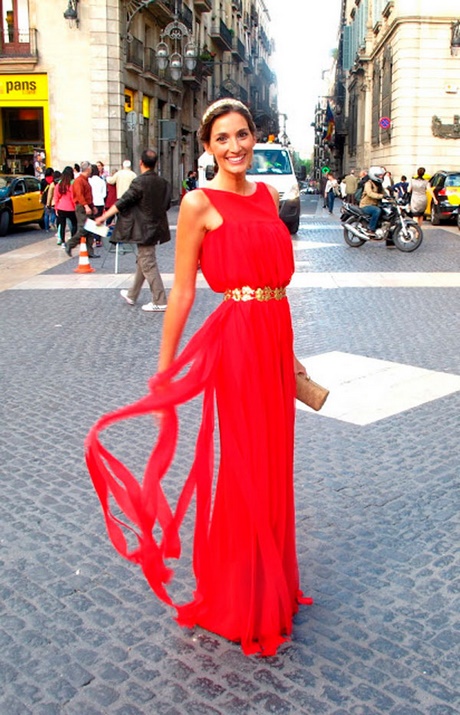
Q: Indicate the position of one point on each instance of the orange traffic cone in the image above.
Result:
(83, 259)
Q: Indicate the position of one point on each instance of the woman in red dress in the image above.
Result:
(244, 555)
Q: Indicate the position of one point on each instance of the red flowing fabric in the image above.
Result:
(244, 554)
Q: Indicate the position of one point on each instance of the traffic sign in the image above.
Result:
(325, 170)
(385, 122)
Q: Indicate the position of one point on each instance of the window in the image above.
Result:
(376, 97)
(15, 24)
(387, 83)
(453, 180)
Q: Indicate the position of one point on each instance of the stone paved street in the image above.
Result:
(377, 503)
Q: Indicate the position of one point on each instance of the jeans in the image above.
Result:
(49, 217)
(330, 201)
(374, 212)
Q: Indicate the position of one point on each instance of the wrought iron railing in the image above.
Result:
(135, 54)
(18, 43)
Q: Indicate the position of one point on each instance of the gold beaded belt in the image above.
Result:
(246, 293)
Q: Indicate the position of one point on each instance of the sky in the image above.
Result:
(304, 38)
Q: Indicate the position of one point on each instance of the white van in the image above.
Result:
(273, 165)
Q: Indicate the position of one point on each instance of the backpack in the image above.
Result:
(360, 189)
(44, 195)
(359, 193)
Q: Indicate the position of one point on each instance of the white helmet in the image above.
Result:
(376, 174)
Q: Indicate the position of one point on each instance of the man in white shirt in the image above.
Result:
(122, 178)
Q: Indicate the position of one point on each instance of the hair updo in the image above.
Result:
(219, 109)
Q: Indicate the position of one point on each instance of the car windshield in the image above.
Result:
(453, 180)
(270, 161)
(5, 183)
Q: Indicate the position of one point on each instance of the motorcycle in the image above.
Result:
(394, 227)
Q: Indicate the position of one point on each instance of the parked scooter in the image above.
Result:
(393, 227)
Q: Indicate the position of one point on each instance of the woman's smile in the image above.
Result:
(232, 143)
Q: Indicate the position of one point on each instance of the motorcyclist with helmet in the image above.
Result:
(372, 195)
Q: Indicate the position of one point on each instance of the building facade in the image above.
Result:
(94, 85)
(395, 88)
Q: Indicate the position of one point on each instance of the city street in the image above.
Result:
(377, 476)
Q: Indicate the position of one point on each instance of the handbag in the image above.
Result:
(309, 392)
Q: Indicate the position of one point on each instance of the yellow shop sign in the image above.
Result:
(30, 87)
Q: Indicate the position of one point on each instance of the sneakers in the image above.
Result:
(124, 294)
(152, 308)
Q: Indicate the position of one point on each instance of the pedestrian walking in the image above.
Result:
(50, 210)
(64, 205)
(122, 178)
(351, 184)
(401, 188)
(142, 219)
(387, 182)
(84, 208)
(418, 188)
(99, 191)
(245, 563)
(331, 190)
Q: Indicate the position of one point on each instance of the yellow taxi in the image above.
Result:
(20, 201)
(446, 188)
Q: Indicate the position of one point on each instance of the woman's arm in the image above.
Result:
(430, 190)
(191, 228)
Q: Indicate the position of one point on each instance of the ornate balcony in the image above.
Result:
(203, 5)
(18, 46)
(150, 64)
(135, 55)
(237, 5)
(248, 66)
(194, 78)
(221, 35)
(243, 94)
(163, 10)
(186, 16)
(238, 50)
(265, 71)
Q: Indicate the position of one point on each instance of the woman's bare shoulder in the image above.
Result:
(196, 209)
(195, 201)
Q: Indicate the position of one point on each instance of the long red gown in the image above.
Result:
(244, 555)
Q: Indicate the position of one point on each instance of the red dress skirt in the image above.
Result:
(244, 553)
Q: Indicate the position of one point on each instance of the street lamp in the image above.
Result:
(455, 38)
(177, 32)
(71, 14)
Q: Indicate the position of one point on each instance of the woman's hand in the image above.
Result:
(298, 367)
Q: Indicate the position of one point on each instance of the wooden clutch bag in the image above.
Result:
(309, 392)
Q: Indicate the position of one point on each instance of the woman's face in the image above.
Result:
(231, 143)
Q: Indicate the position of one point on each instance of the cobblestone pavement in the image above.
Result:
(377, 510)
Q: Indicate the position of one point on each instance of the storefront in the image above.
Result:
(24, 124)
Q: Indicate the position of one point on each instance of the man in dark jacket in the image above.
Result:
(142, 219)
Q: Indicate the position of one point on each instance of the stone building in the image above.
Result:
(103, 79)
(395, 89)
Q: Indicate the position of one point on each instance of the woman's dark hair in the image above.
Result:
(219, 109)
(94, 170)
(420, 172)
(66, 180)
(49, 171)
(56, 175)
